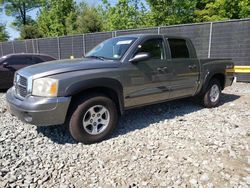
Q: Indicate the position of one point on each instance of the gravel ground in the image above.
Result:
(177, 144)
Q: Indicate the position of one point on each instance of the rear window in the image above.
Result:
(37, 59)
(178, 48)
(47, 58)
(20, 60)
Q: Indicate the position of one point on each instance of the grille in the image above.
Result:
(23, 81)
(21, 85)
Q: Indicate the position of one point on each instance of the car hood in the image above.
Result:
(62, 66)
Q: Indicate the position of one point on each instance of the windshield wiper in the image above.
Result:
(96, 57)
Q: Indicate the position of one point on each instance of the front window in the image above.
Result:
(113, 48)
(154, 47)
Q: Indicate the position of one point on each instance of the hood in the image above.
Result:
(62, 66)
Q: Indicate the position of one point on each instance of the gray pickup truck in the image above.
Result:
(121, 73)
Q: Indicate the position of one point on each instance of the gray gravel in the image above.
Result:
(177, 144)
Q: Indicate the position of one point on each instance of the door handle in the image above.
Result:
(192, 66)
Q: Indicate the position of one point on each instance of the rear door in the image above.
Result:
(185, 67)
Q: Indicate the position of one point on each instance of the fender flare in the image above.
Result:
(208, 76)
(109, 83)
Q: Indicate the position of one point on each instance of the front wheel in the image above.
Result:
(211, 98)
(93, 119)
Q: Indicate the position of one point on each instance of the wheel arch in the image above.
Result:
(112, 88)
(217, 75)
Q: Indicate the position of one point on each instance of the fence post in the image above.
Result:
(1, 48)
(58, 48)
(72, 47)
(13, 47)
(83, 44)
(210, 40)
(159, 30)
(26, 48)
(33, 47)
(114, 34)
(37, 45)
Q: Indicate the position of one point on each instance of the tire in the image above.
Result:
(103, 113)
(211, 98)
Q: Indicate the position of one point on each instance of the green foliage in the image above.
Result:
(172, 11)
(71, 23)
(54, 16)
(65, 17)
(30, 32)
(126, 14)
(244, 9)
(3, 33)
(89, 19)
(19, 10)
(216, 10)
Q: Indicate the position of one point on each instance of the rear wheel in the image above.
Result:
(93, 119)
(211, 98)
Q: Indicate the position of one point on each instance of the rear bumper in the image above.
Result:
(39, 111)
(229, 80)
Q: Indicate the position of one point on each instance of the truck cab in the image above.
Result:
(171, 71)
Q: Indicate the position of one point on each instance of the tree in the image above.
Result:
(244, 9)
(30, 32)
(54, 16)
(170, 12)
(19, 9)
(71, 23)
(126, 14)
(3, 33)
(89, 19)
(215, 10)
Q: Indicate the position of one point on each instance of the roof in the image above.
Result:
(152, 35)
(27, 54)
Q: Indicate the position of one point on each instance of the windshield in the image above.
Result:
(113, 48)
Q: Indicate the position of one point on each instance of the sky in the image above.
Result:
(13, 33)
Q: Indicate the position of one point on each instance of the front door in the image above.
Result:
(149, 81)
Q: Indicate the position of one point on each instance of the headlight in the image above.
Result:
(45, 87)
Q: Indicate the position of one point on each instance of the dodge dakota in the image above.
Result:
(89, 94)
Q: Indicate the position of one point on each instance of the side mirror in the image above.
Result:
(142, 56)
(6, 65)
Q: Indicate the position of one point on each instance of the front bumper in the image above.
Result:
(39, 111)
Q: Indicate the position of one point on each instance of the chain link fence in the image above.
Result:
(229, 39)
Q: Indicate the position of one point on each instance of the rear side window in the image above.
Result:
(20, 60)
(47, 58)
(178, 48)
(37, 60)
